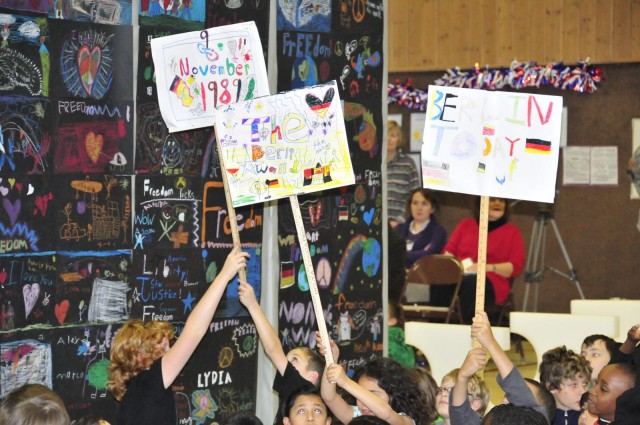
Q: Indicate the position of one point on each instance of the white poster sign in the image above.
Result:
(286, 144)
(200, 70)
(502, 144)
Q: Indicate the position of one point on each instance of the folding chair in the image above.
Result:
(434, 270)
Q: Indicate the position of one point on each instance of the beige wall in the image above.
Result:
(427, 35)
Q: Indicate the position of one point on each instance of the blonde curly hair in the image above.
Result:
(135, 347)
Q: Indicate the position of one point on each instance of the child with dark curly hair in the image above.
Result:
(381, 388)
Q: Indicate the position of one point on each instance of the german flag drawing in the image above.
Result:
(272, 183)
(538, 146)
(286, 274)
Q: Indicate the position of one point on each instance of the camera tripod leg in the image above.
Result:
(572, 276)
(532, 274)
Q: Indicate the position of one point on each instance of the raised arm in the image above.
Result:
(266, 332)
(474, 362)
(377, 406)
(633, 336)
(342, 410)
(335, 351)
(510, 380)
(481, 330)
(200, 318)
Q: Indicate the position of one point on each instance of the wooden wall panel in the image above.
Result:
(553, 31)
(621, 30)
(604, 34)
(587, 29)
(488, 38)
(424, 33)
(427, 35)
(635, 29)
(570, 31)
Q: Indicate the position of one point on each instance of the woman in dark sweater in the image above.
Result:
(423, 234)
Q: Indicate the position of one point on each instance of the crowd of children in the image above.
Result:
(597, 386)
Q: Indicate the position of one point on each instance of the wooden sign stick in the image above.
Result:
(483, 223)
(233, 221)
(311, 277)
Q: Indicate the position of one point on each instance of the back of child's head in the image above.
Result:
(89, 420)
(559, 364)
(405, 395)
(242, 418)
(628, 403)
(509, 414)
(476, 388)
(316, 362)
(395, 312)
(33, 404)
(368, 420)
(428, 386)
(543, 397)
(135, 347)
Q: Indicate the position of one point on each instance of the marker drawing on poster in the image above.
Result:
(286, 144)
(500, 144)
(201, 70)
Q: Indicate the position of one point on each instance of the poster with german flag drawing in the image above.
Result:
(503, 144)
(286, 144)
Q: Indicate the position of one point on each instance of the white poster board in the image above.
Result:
(200, 70)
(501, 144)
(286, 144)
(417, 131)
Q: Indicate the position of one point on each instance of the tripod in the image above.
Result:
(535, 267)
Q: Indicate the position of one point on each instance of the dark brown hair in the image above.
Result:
(428, 194)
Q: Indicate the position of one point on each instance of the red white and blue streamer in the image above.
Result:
(582, 78)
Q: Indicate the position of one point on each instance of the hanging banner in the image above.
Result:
(198, 71)
(286, 144)
(499, 144)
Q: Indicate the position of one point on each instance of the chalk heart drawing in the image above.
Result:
(61, 311)
(368, 216)
(3, 277)
(88, 64)
(42, 203)
(93, 144)
(319, 106)
(12, 209)
(4, 190)
(30, 294)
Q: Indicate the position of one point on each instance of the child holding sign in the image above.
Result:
(381, 388)
(298, 368)
(143, 365)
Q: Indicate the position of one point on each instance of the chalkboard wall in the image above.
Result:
(107, 216)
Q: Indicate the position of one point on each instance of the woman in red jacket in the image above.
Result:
(505, 256)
